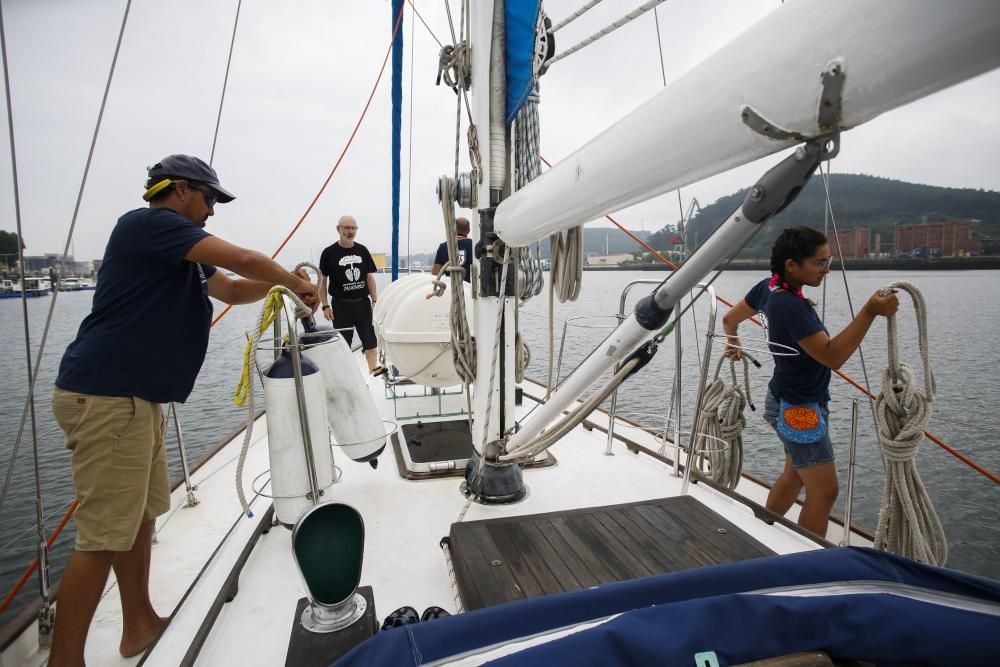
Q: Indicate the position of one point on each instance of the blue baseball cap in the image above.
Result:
(187, 167)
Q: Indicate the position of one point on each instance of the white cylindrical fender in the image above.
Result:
(355, 421)
(285, 448)
(414, 332)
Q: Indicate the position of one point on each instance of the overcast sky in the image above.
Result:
(300, 75)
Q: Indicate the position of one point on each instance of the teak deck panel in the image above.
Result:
(501, 560)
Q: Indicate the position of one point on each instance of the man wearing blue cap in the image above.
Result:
(142, 345)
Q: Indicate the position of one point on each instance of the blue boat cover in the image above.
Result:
(852, 603)
(521, 16)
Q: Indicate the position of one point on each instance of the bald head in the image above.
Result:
(462, 226)
(347, 227)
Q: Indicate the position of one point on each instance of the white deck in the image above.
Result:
(404, 522)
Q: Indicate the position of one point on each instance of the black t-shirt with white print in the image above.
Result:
(346, 270)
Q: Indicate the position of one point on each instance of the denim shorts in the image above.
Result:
(803, 456)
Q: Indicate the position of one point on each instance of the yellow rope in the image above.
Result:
(272, 308)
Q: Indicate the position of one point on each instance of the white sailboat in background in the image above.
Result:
(542, 517)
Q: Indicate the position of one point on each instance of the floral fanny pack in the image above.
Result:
(802, 423)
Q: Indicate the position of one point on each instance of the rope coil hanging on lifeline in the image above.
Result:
(722, 419)
(908, 524)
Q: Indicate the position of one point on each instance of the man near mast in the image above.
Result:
(349, 283)
(142, 345)
(462, 229)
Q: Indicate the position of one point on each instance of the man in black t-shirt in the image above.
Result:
(464, 250)
(349, 282)
(142, 344)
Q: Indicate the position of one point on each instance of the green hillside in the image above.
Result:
(857, 201)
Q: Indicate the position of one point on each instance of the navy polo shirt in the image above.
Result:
(464, 256)
(147, 333)
(797, 379)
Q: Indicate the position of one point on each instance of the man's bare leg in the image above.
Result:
(79, 593)
(141, 624)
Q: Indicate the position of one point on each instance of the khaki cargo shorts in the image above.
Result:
(119, 466)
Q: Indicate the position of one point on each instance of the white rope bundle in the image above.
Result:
(722, 421)
(908, 524)
(566, 248)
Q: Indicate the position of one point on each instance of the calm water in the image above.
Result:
(964, 308)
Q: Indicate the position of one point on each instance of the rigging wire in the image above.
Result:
(76, 210)
(69, 240)
(340, 158)
(34, 564)
(577, 14)
(604, 32)
(828, 213)
(417, 14)
(39, 508)
(225, 82)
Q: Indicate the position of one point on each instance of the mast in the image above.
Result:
(494, 386)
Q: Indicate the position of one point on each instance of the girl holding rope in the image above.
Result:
(798, 393)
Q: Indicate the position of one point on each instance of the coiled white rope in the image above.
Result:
(908, 524)
(722, 420)
(566, 248)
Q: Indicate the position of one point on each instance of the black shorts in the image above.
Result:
(357, 315)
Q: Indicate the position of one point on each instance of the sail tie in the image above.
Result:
(908, 524)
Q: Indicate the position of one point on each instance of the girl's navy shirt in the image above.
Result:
(800, 378)
(147, 333)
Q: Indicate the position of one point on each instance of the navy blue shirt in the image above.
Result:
(797, 379)
(147, 333)
(464, 256)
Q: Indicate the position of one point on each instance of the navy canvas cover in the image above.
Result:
(521, 17)
(863, 604)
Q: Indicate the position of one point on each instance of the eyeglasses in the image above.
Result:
(211, 196)
(821, 263)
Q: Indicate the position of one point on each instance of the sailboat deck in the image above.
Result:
(513, 558)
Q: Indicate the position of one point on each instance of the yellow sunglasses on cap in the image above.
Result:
(159, 187)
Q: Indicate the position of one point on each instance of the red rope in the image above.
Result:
(34, 564)
(350, 140)
(930, 436)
